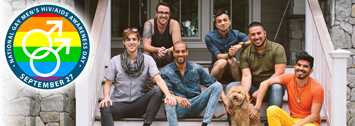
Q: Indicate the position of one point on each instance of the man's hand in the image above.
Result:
(170, 100)
(227, 106)
(161, 51)
(183, 102)
(234, 49)
(253, 114)
(255, 94)
(106, 102)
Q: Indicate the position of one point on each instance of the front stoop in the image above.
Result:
(161, 123)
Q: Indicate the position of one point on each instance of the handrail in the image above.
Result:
(330, 64)
(321, 27)
(88, 88)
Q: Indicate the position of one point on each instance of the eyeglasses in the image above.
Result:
(163, 12)
(130, 29)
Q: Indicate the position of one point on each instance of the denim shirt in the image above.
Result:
(217, 44)
(187, 86)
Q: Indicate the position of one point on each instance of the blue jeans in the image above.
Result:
(207, 100)
(274, 94)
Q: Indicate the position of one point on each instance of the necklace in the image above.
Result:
(299, 91)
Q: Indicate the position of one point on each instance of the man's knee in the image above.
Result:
(216, 87)
(272, 110)
(231, 84)
(276, 95)
(277, 88)
(221, 63)
(310, 124)
(105, 110)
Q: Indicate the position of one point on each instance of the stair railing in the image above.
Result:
(88, 87)
(329, 64)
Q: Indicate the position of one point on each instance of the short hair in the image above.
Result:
(179, 42)
(128, 31)
(162, 4)
(303, 55)
(255, 23)
(220, 12)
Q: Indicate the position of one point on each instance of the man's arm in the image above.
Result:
(106, 102)
(169, 98)
(279, 70)
(280, 61)
(147, 38)
(315, 113)
(107, 88)
(222, 56)
(262, 90)
(175, 32)
(246, 79)
(213, 49)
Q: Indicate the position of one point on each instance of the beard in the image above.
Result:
(163, 18)
(302, 75)
(180, 60)
(262, 43)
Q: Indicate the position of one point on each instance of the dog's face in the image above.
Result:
(238, 96)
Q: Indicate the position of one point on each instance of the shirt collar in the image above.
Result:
(220, 37)
(268, 47)
(188, 66)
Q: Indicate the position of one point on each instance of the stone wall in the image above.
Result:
(342, 31)
(25, 106)
(350, 30)
(296, 35)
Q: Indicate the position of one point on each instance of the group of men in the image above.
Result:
(248, 60)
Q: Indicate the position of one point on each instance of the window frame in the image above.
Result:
(205, 20)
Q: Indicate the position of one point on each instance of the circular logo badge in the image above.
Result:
(47, 46)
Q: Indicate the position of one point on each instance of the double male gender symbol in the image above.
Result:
(58, 24)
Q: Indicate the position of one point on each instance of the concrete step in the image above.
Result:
(161, 123)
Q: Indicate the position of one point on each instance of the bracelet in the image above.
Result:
(243, 44)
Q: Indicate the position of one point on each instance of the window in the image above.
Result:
(238, 11)
(187, 13)
(127, 13)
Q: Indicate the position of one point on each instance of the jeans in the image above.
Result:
(274, 94)
(207, 101)
(148, 104)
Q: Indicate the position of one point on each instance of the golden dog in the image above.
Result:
(241, 107)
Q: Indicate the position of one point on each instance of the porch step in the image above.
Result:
(161, 119)
(162, 123)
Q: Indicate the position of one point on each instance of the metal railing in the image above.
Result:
(329, 64)
(88, 87)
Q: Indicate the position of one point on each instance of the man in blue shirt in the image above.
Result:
(183, 79)
(223, 44)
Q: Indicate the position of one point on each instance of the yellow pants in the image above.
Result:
(278, 117)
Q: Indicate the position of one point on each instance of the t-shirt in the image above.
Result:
(126, 88)
(262, 66)
(164, 39)
(311, 93)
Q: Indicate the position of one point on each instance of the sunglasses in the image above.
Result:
(130, 30)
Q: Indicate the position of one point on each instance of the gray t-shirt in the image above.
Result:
(126, 88)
